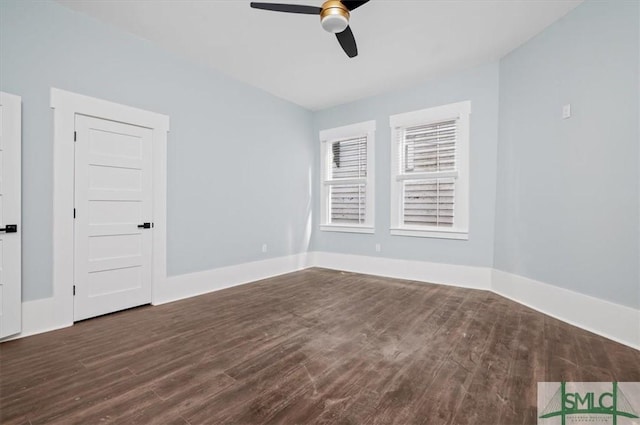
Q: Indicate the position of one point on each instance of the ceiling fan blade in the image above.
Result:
(348, 42)
(353, 4)
(289, 8)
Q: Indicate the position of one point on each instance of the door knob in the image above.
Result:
(9, 228)
(145, 226)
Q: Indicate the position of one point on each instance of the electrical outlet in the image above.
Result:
(566, 111)
(377, 247)
(264, 247)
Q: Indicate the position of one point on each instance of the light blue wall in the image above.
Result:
(480, 85)
(238, 158)
(566, 211)
(567, 200)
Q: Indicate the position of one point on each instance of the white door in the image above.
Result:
(113, 223)
(10, 225)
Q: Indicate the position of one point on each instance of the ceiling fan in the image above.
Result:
(334, 18)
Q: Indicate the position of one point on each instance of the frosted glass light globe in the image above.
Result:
(334, 23)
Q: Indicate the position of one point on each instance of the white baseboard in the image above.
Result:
(614, 321)
(444, 274)
(39, 316)
(198, 283)
(43, 315)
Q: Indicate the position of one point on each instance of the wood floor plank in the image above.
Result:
(522, 408)
(312, 347)
(118, 407)
(485, 397)
(426, 374)
(68, 387)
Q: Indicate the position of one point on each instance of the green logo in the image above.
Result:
(614, 404)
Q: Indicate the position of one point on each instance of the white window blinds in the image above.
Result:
(429, 148)
(428, 173)
(347, 178)
(349, 158)
(429, 202)
(347, 194)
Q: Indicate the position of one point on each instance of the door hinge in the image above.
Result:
(75, 136)
(74, 289)
(74, 213)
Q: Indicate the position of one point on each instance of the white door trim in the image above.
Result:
(10, 178)
(66, 105)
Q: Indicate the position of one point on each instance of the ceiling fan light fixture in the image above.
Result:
(334, 16)
(334, 23)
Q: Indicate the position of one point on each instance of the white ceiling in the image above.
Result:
(400, 42)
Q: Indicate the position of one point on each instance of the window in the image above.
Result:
(430, 172)
(347, 178)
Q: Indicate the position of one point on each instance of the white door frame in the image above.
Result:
(11, 322)
(66, 105)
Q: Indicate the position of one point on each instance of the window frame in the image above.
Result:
(461, 112)
(327, 138)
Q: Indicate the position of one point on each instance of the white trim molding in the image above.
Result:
(365, 129)
(346, 229)
(347, 130)
(65, 106)
(614, 321)
(11, 213)
(460, 113)
(198, 283)
(610, 320)
(43, 315)
(420, 233)
(422, 271)
(39, 316)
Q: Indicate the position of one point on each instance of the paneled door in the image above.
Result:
(10, 225)
(113, 228)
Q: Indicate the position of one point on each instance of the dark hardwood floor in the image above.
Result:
(312, 347)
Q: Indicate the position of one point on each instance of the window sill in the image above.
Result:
(347, 229)
(440, 234)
